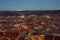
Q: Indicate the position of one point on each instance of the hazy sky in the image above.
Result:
(29, 4)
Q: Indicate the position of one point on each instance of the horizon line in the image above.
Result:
(30, 10)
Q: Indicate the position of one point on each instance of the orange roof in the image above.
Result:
(25, 27)
(10, 34)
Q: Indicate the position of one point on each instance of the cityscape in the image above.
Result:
(29, 19)
(45, 26)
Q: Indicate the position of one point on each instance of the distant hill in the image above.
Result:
(37, 12)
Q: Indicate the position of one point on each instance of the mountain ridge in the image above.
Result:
(27, 12)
